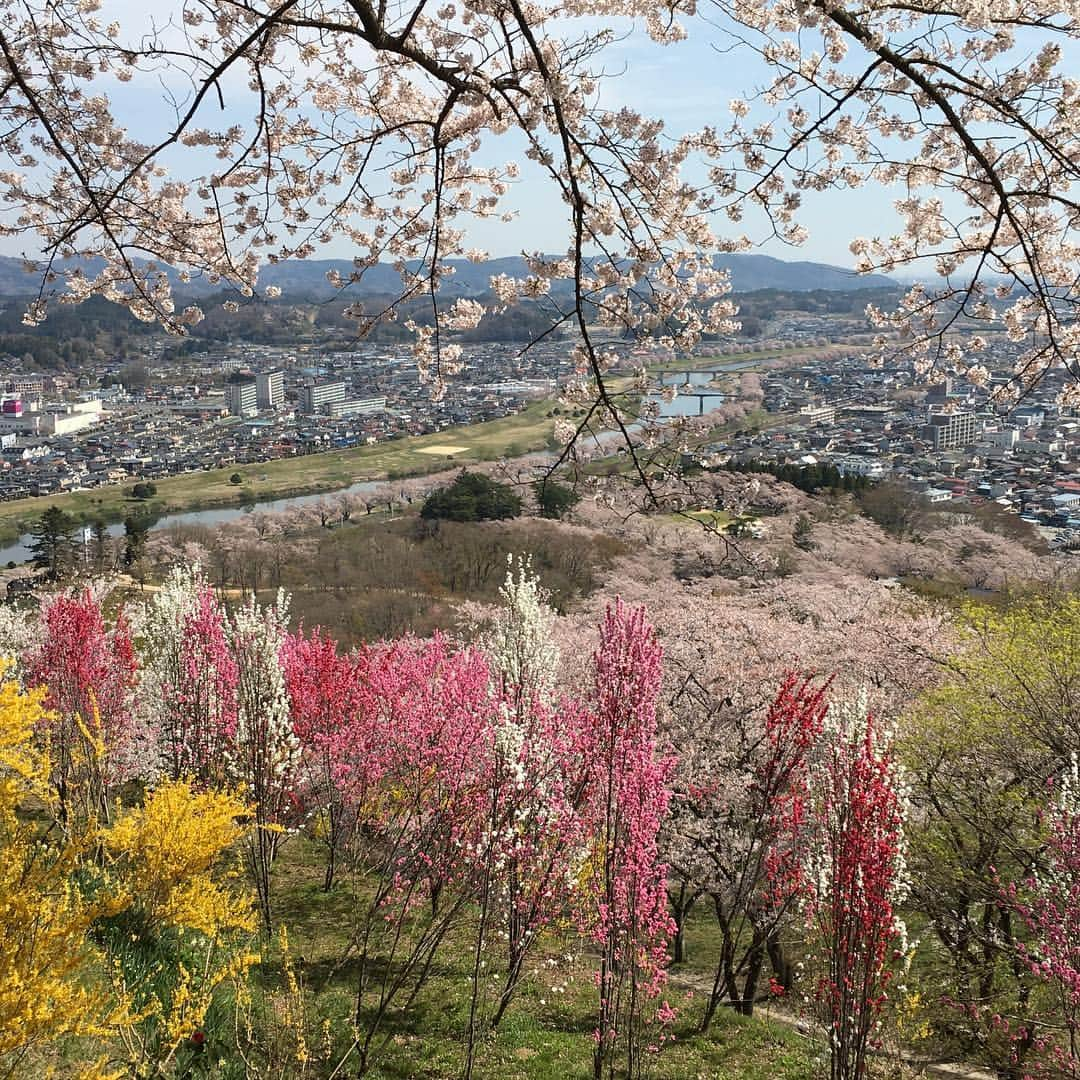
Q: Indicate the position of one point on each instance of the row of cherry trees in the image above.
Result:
(467, 787)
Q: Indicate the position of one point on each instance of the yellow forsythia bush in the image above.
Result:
(122, 934)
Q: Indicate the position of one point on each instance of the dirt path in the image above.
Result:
(941, 1070)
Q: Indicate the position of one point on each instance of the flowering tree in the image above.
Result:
(738, 743)
(123, 934)
(265, 752)
(188, 677)
(379, 119)
(540, 775)
(325, 694)
(1048, 903)
(519, 639)
(416, 762)
(848, 838)
(88, 671)
(625, 909)
(744, 859)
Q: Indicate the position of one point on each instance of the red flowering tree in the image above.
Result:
(89, 673)
(848, 830)
(746, 856)
(326, 693)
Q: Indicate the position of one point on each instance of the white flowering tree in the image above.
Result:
(187, 678)
(520, 638)
(298, 123)
(265, 750)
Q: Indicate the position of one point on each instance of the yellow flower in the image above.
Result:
(170, 850)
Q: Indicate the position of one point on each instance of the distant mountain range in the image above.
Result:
(307, 278)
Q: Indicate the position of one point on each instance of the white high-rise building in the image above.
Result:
(318, 397)
(948, 431)
(270, 388)
(242, 397)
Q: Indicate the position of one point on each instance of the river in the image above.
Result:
(19, 552)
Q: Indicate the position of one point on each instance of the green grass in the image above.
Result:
(704, 363)
(545, 1036)
(716, 519)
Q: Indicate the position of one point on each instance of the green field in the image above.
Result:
(523, 433)
(705, 363)
(716, 519)
(545, 1036)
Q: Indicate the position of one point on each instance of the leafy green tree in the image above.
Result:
(144, 490)
(236, 478)
(53, 543)
(981, 750)
(472, 497)
(135, 531)
(555, 500)
(900, 511)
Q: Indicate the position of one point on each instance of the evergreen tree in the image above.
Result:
(803, 533)
(52, 546)
(472, 497)
(135, 530)
(99, 540)
(554, 499)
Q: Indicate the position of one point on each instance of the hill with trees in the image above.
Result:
(727, 739)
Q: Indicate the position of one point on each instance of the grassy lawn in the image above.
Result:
(545, 1036)
(523, 433)
(717, 519)
(704, 363)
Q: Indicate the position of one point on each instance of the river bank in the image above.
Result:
(316, 474)
(287, 478)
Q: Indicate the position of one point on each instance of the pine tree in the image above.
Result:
(53, 541)
(135, 531)
(99, 539)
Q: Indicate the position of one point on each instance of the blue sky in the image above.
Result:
(688, 85)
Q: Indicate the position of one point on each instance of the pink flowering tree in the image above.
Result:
(847, 868)
(326, 693)
(414, 760)
(1047, 1046)
(88, 671)
(624, 906)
